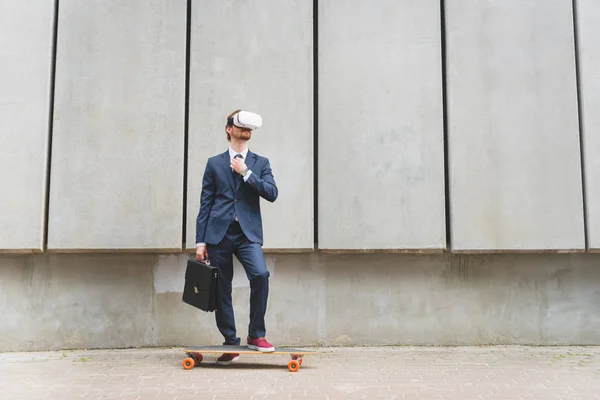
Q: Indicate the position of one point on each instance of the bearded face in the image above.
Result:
(239, 133)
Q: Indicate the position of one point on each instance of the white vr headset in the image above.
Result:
(246, 119)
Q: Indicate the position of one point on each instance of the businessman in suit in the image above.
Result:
(229, 223)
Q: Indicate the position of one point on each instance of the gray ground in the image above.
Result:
(512, 372)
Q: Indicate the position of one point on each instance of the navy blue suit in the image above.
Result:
(229, 222)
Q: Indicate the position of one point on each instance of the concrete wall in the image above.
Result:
(513, 133)
(588, 13)
(76, 301)
(118, 161)
(381, 154)
(66, 301)
(265, 66)
(25, 78)
(118, 141)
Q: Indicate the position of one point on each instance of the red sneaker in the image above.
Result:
(228, 358)
(260, 344)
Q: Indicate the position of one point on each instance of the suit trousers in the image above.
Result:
(251, 257)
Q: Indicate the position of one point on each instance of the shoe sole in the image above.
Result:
(228, 362)
(263, 349)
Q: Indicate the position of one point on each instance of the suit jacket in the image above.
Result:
(220, 201)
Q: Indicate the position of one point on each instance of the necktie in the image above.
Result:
(236, 176)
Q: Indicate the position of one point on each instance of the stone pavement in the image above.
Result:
(499, 372)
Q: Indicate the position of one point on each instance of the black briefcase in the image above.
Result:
(200, 288)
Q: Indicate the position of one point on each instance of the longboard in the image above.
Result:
(195, 354)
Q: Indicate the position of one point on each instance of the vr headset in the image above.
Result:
(246, 119)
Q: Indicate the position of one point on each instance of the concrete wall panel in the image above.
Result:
(118, 145)
(381, 157)
(256, 55)
(25, 80)
(515, 173)
(589, 74)
(462, 300)
(76, 301)
(66, 301)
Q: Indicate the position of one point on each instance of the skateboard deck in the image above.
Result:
(195, 354)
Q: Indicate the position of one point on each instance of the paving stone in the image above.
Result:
(445, 373)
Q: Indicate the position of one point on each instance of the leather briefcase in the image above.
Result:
(200, 288)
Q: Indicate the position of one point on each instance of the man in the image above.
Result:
(229, 222)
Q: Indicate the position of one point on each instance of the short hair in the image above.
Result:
(230, 116)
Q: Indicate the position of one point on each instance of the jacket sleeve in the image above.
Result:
(263, 182)
(207, 199)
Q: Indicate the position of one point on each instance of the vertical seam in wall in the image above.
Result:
(186, 120)
(580, 122)
(445, 125)
(316, 122)
(322, 310)
(50, 128)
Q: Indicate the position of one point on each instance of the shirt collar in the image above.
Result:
(233, 153)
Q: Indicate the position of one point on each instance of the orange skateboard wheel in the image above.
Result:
(188, 363)
(293, 366)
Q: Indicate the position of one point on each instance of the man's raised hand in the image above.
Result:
(238, 165)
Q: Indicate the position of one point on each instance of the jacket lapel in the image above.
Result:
(250, 158)
(226, 164)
